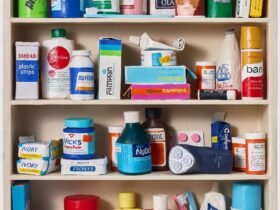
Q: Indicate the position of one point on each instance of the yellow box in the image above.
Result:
(256, 8)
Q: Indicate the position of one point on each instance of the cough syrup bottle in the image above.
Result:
(133, 147)
(158, 137)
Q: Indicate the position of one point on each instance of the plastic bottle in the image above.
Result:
(81, 76)
(133, 147)
(55, 65)
(158, 136)
(228, 65)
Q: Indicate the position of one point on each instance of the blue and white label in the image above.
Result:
(165, 4)
(134, 159)
(82, 81)
(82, 168)
(27, 71)
(56, 5)
(156, 59)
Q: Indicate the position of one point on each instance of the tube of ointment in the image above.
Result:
(207, 94)
(147, 43)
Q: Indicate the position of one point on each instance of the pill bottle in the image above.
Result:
(239, 154)
(81, 75)
(255, 153)
(206, 75)
(133, 7)
(114, 134)
(79, 139)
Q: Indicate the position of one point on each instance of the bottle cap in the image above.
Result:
(205, 63)
(238, 140)
(85, 202)
(153, 113)
(160, 202)
(134, 40)
(132, 117)
(127, 200)
(58, 32)
(254, 136)
(115, 129)
(81, 53)
(78, 122)
(251, 37)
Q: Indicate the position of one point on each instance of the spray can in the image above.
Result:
(32, 9)
(252, 75)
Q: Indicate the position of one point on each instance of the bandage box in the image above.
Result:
(21, 196)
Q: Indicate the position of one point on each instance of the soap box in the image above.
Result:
(21, 196)
(155, 75)
(96, 166)
(27, 70)
(109, 74)
(160, 92)
(220, 136)
(242, 8)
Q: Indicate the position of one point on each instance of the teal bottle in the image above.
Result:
(133, 147)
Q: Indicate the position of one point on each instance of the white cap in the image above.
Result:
(254, 135)
(134, 40)
(132, 117)
(160, 202)
(238, 140)
(231, 95)
(118, 129)
(205, 63)
(81, 53)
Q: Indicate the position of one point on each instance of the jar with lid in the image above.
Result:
(81, 76)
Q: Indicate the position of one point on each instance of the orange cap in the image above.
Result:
(251, 37)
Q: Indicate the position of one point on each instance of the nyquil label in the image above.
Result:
(165, 4)
(134, 159)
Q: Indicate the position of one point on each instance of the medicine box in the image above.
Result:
(21, 196)
(220, 136)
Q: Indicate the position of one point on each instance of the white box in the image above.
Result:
(242, 8)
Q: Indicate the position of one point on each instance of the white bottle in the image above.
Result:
(228, 65)
(55, 65)
(81, 75)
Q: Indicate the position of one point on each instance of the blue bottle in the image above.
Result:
(133, 147)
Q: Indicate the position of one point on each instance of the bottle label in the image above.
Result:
(134, 158)
(223, 76)
(239, 157)
(82, 81)
(157, 138)
(252, 80)
(56, 5)
(208, 78)
(114, 152)
(79, 144)
(127, 4)
(165, 4)
(256, 157)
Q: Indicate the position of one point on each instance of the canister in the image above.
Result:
(67, 9)
(158, 58)
(133, 7)
(32, 9)
(219, 8)
(206, 75)
(79, 139)
(81, 202)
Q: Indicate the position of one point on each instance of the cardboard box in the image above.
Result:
(21, 196)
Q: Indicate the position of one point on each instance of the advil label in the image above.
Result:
(252, 74)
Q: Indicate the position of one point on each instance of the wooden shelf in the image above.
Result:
(140, 102)
(155, 176)
(137, 20)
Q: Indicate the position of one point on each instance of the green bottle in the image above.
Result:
(133, 147)
(219, 8)
(33, 9)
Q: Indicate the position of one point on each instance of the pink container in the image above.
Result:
(133, 7)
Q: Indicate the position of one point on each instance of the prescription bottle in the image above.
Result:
(206, 75)
(239, 154)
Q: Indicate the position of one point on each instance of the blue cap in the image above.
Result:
(247, 196)
(78, 122)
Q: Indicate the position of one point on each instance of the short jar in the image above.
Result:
(133, 7)
(79, 139)
(81, 76)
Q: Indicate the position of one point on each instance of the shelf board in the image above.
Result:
(137, 20)
(155, 176)
(139, 102)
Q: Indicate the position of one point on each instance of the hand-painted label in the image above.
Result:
(165, 4)
(82, 81)
(134, 159)
(79, 144)
(223, 76)
(157, 138)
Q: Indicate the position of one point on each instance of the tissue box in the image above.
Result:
(221, 138)
(21, 196)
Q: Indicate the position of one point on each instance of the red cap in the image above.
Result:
(81, 202)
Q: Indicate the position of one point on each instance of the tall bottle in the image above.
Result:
(55, 65)
(228, 65)
(157, 133)
(133, 147)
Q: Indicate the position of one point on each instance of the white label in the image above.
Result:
(252, 70)
(114, 151)
(256, 157)
(224, 76)
(208, 79)
(239, 157)
(78, 144)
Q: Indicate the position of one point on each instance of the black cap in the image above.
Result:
(153, 113)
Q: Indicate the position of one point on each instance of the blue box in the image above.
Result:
(220, 136)
(21, 196)
(155, 75)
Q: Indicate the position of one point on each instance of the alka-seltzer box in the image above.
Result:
(242, 8)
(27, 70)
(220, 133)
(21, 196)
(110, 69)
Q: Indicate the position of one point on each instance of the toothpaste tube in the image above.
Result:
(161, 92)
(207, 94)
(96, 166)
(40, 150)
(37, 166)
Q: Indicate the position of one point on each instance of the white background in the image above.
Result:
(1, 102)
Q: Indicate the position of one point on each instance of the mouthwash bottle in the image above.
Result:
(133, 147)
(157, 133)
